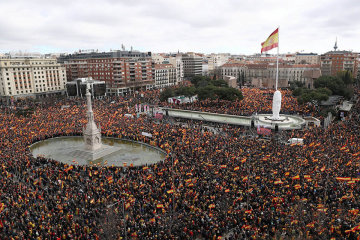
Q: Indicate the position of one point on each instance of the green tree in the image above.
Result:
(346, 77)
(219, 83)
(185, 91)
(166, 93)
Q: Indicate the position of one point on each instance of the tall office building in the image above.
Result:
(192, 65)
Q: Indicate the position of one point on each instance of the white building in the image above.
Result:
(216, 60)
(264, 74)
(178, 64)
(165, 75)
(31, 77)
(160, 58)
(236, 70)
(205, 68)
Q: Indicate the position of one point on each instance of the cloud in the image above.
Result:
(236, 26)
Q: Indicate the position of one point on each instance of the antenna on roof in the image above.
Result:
(335, 46)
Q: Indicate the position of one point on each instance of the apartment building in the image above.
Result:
(335, 61)
(178, 64)
(122, 71)
(165, 75)
(31, 77)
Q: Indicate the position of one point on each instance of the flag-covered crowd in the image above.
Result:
(255, 101)
(210, 186)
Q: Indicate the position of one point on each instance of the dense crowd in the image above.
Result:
(210, 186)
(255, 101)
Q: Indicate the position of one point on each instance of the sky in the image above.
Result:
(205, 26)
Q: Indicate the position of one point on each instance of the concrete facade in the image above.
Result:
(31, 77)
(192, 65)
(264, 74)
(231, 81)
(178, 64)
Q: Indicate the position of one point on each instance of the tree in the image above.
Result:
(185, 91)
(346, 77)
(242, 78)
(219, 83)
(168, 92)
(335, 84)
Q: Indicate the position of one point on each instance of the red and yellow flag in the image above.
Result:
(69, 168)
(271, 42)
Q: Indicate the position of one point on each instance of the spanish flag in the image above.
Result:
(271, 42)
(69, 168)
(127, 205)
(110, 179)
(297, 177)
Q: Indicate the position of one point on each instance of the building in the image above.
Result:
(31, 77)
(160, 58)
(335, 61)
(192, 65)
(122, 71)
(235, 69)
(205, 68)
(178, 63)
(216, 60)
(165, 75)
(231, 81)
(78, 86)
(310, 76)
(307, 58)
(264, 74)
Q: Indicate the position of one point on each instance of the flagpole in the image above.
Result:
(277, 63)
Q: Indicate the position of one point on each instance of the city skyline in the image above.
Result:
(168, 26)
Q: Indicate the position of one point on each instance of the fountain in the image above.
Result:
(92, 149)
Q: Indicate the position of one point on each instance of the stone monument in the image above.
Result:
(92, 134)
(276, 106)
(94, 149)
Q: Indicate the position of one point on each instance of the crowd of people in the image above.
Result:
(210, 186)
(255, 101)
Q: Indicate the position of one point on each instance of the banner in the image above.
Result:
(146, 134)
(263, 131)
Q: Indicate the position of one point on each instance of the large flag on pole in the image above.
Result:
(271, 42)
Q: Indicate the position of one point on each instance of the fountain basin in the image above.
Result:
(115, 152)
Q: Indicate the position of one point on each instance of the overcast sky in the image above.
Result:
(234, 26)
